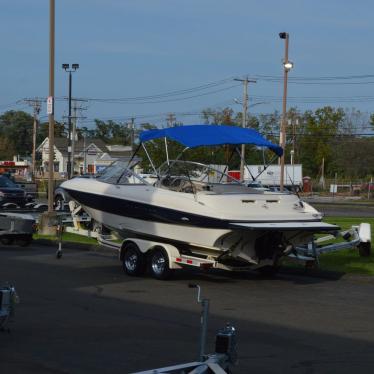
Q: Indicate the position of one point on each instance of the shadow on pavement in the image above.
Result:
(81, 314)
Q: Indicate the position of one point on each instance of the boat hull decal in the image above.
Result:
(143, 211)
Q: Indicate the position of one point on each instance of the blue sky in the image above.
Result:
(133, 48)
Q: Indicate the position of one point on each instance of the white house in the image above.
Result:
(90, 155)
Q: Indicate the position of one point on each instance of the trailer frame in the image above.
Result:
(162, 259)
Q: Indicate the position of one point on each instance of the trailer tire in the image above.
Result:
(133, 261)
(268, 270)
(6, 240)
(364, 249)
(59, 203)
(24, 241)
(159, 264)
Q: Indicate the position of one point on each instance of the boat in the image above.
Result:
(199, 208)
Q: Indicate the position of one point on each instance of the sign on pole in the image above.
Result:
(333, 188)
(50, 105)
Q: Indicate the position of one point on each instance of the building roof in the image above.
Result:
(113, 150)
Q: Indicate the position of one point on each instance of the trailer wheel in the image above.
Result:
(133, 260)
(159, 264)
(364, 249)
(24, 241)
(6, 240)
(59, 203)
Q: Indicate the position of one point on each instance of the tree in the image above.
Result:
(372, 120)
(320, 129)
(43, 131)
(16, 132)
(112, 132)
(219, 117)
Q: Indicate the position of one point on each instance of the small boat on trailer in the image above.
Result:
(190, 213)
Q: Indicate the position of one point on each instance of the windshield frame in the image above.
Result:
(121, 169)
(171, 163)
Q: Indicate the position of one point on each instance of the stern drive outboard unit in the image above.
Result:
(8, 299)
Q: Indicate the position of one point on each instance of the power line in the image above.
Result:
(15, 103)
(156, 101)
(321, 78)
(167, 94)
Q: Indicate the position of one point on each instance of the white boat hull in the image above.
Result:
(194, 236)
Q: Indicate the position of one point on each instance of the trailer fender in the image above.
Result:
(146, 246)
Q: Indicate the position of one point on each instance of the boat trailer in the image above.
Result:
(357, 237)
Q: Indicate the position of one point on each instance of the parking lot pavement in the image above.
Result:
(81, 314)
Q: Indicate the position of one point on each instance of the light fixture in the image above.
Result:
(65, 66)
(288, 65)
(75, 66)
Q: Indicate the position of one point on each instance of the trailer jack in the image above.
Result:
(218, 362)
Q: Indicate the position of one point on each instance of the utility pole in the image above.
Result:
(293, 122)
(48, 219)
(69, 127)
(51, 118)
(73, 132)
(170, 120)
(132, 132)
(73, 135)
(36, 104)
(244, 120)
(84, 153)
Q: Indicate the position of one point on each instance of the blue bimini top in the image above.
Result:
(209, 135)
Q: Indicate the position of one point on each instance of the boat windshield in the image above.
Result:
(197, 171)
(191, 177)
(120, 173)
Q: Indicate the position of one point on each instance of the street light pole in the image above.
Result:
(74, 68)
(69, 126)
(287, 65)
(244, 120)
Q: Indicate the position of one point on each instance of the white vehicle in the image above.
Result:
(182, 217)
(269, 175)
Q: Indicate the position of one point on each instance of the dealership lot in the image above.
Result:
(82, 314)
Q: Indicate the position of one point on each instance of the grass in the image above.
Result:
(68, 237)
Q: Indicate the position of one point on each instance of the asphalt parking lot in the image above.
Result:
(81, 314)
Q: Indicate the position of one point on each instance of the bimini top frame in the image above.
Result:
(192, 136)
